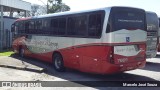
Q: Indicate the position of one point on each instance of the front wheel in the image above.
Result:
(58, 62)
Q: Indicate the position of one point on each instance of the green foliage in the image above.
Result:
(7, 53)
(57, 6)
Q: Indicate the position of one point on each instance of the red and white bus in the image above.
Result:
(103, 41)
(152, 34)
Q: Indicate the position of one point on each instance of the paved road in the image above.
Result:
(151, 72)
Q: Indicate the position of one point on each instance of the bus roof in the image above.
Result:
(151, 12)
(20, 19)
(62, 13)
(70, 12)
(67, 13)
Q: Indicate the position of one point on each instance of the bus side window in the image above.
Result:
(27, 27)
(38, 26)
(95, 25)
(54, 26)
(58, 26)
(46, 26)
(62, 26)
(81, 25)
(21, 28)
(71, 26)
(31, 27)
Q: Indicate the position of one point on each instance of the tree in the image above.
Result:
(54, 6)
(38, 10)
(34, 9)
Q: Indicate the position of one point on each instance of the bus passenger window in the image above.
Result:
(38, 26)
(81, 25)
(71, 26)
(21, 29)
(54, 26)
(62, 26)
(77, 26)
(31, 27)
(46, 26)
(27, 27)
(95, 25)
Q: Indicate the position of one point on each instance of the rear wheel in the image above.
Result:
(58, 62)
(21, 52)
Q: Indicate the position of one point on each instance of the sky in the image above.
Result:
(148, 5)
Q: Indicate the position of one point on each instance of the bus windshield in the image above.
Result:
(152, 21)
(128, 19)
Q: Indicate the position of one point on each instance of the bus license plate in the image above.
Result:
(129, 50)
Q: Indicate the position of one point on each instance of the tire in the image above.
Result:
(58, 62)
(21, 52)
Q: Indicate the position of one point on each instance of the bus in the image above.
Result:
(101, 41)
(152, 34)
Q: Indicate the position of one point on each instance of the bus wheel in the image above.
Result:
(58, 62)
(21, 52)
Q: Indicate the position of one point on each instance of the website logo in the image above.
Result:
(6, 84)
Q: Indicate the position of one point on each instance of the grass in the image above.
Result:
(6, 53)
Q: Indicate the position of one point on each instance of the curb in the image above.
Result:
(38, 70)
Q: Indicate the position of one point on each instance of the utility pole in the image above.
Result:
(47, 7)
